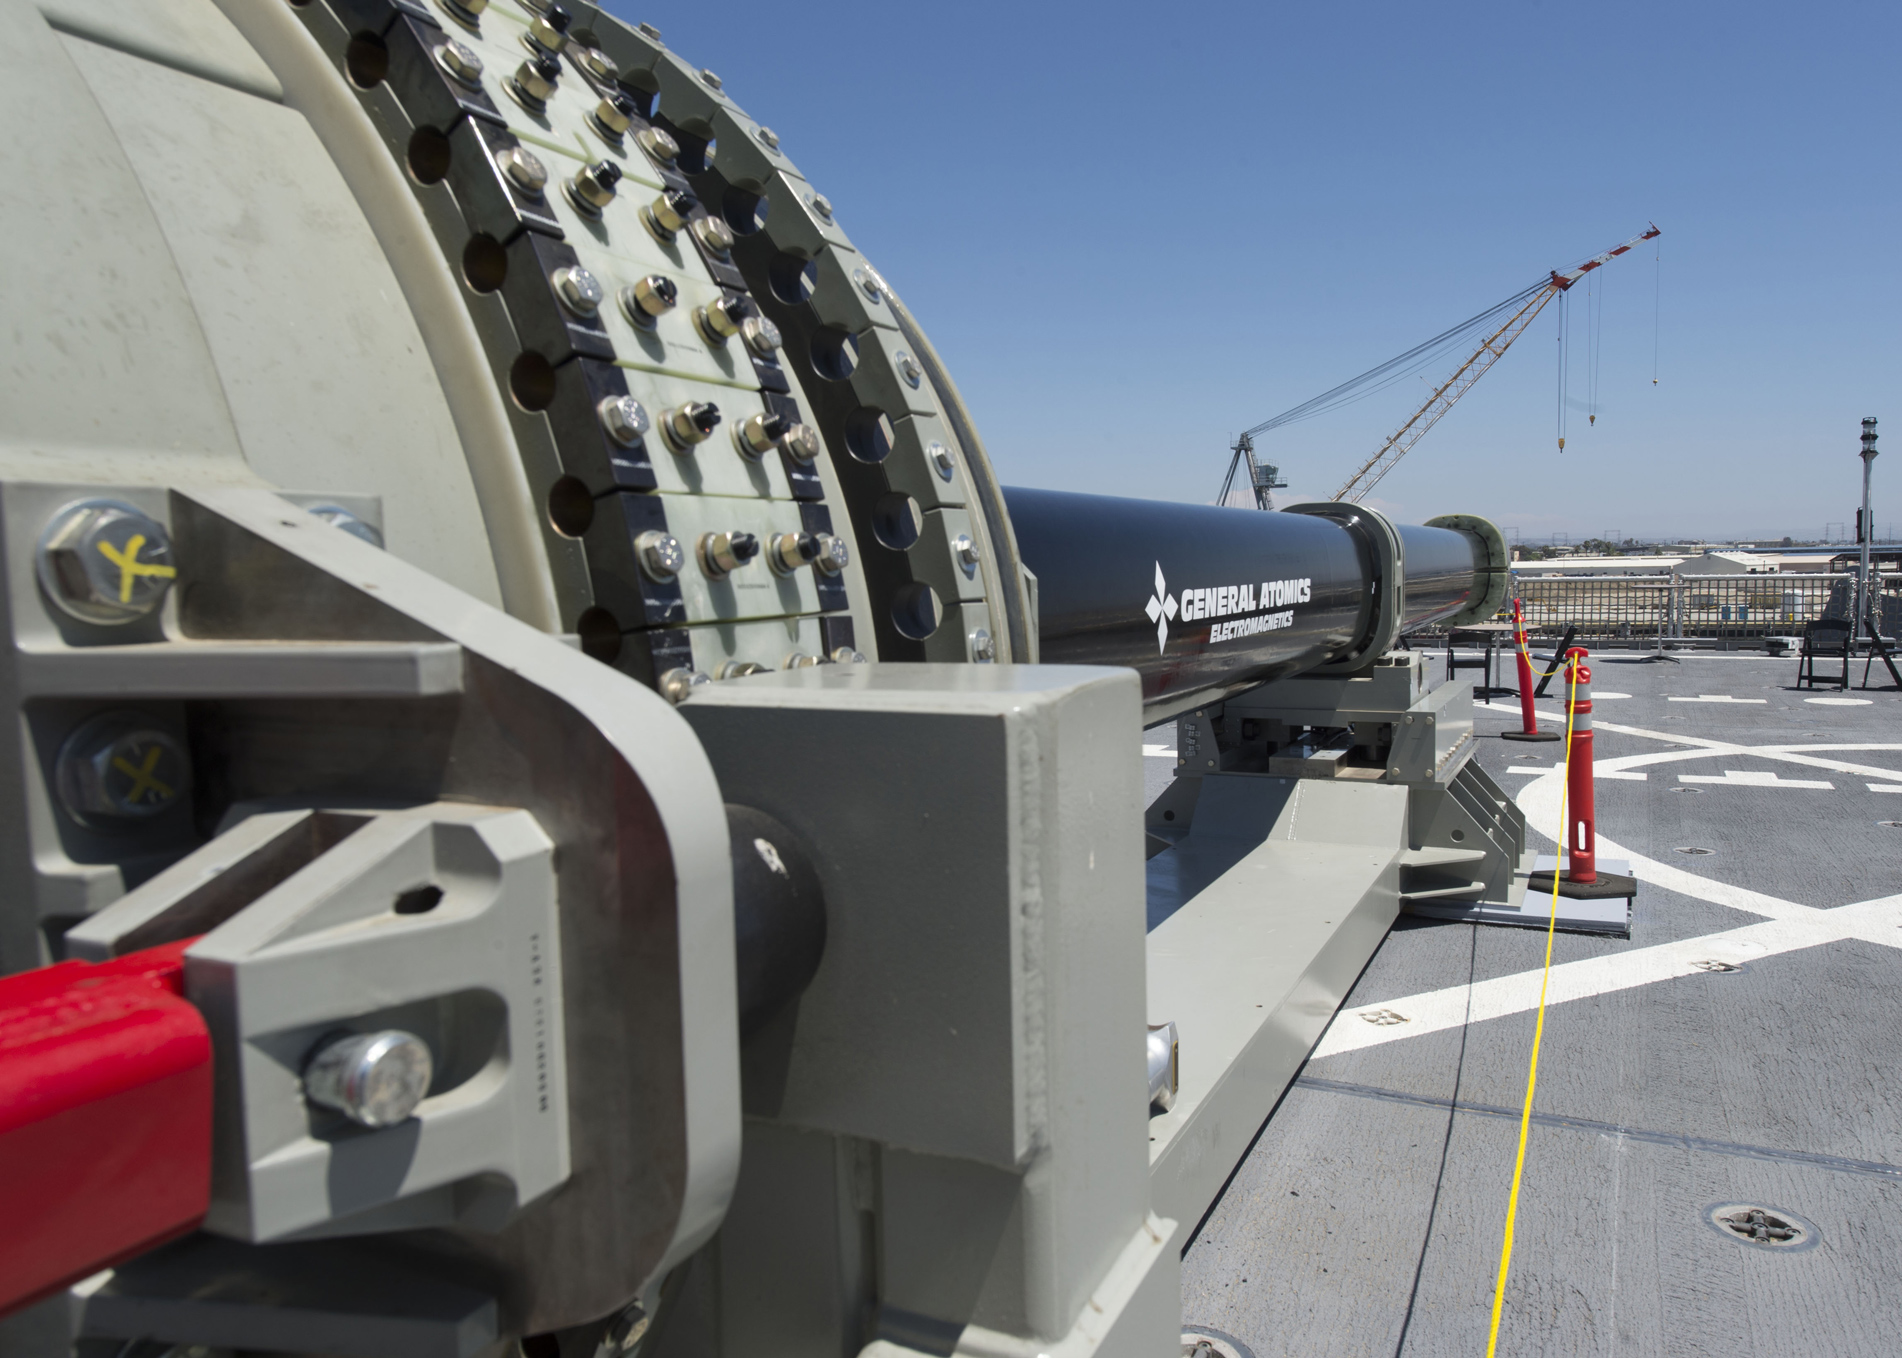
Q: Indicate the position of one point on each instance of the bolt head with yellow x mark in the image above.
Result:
(105, 561)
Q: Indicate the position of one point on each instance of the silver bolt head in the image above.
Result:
(681, 424)
(713, 81)
(869, 283)
(713, 234)
(768, 138)
(677, 685)
(374, 1079)
(534, 89)
(983, 646)
(834, 556)
(339, 517)
(761, 336)
(608, 114)
(625, 419)
(738, 669)
(799, 660)
(590, 192)
(119, 767)
(940, 458)
(821, 205)
(908, 367)
(723, 553)
(580, 291)
(661, 554)
(845, 655)
(652, 296)
(649, 31)
(802, 443)
(545, 35)
(105, 561)
(791, 551)
(523, 168)
(661, 216)
(754, 436)
(658, 144)
(599, 64)
(965, 550)
(463, 65)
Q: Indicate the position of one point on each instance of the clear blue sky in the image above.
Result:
(1132, 231)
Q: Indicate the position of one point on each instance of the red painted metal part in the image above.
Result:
(105, 1117)
(1581, 812)
(1529, 719)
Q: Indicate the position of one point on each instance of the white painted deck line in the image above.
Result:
(1716, 698)
(1885, 787)
(1754, 778)
(1159, 752)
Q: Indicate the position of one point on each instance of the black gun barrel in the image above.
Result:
(1202, 600)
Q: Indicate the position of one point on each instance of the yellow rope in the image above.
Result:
(1538, 1032)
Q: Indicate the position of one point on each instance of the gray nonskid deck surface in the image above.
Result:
(1657, 1099)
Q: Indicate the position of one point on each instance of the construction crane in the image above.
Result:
(1500, 324)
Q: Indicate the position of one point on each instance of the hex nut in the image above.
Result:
(661, 555)
(669, 214)
(738, 669)
(120, 767)
(821, 205)
(613, 116)
(792, 551)
(869, 283)
(649, 297)
(723, 553)
(105, 561)
(940, 459)
(908, 367)
(465, 11)
(461, 62)
(534, 83)
(625, 419)
(834, 556)
(579, 290)
(677, 685)
(593, 187)
(548, 31)
(712, 80)
(983, 646)
(374, 1079)
(761, 336)
(965, 550)
(802, 443)
(845, 655)
(720, 320)
(339, 517)
(714, 235)
(599, 65)
(658, 144)
(757, 435)
(683, 426)
(523, 168)
(768, 138)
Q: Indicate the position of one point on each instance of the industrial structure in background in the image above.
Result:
(554, 806)
(1499, 325)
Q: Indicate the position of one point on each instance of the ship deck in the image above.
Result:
(1740, 1048)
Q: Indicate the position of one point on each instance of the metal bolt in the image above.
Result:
(714, 235)
(339, 517)
(761, 335)
(965, 550)
(119, 766)
(940, 458)
(799, 660)
(845, 655)
(625, 419)
(869, 283)
(719, 320)
(834, 556)
(791, 551)
(650, 31)
(738, 669)
(685, 425)
(821, 205)
(768, 138)
(599, 65)
(592, 188)
(374, 1079)
(711, 79)
(534, 82)
(579, 290)
(658, 144)
(661, 554)
(757, 435)
(667, 214)
(612, 117)
(105, 561)
(908, 367)
(983, 646)
(548, 31)
(523, 168)
(677, 685)
(723, 553)
(628, 1329)
(648, 298)
(462, 64)
(535, 6)
(468, 11)
(802, 443)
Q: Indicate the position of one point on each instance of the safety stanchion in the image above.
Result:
(1581, 814)
(1528, 717)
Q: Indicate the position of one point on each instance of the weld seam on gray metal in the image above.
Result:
(1838, 1163)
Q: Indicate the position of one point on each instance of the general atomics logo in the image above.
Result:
(1246, 607)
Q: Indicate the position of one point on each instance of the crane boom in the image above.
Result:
(1490, 351)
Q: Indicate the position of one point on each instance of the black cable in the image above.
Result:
(1433, 1209)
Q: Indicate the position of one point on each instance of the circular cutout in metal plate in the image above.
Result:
(1199, 1341)
(1764, 1228)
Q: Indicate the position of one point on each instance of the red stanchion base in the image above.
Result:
(1531, 735)
(1608, 886)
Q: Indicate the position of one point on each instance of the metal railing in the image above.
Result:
(1639, 609)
